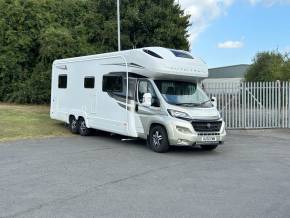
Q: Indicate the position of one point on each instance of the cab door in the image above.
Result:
(144, 114)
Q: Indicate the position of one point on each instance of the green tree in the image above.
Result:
(269, 66)
(33, 33)
(286, 69)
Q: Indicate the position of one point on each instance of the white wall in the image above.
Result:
(222, 80)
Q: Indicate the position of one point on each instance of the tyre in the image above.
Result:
(208, 147)
(73, 125)
(158, 139)
(83, 129)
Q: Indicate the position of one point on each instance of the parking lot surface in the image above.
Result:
(103, 176)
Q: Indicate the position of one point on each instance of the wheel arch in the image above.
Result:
(71, 116)
(76, 116)
(156, 124)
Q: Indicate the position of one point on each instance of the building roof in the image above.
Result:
(235, 71)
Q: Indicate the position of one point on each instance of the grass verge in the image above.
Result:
(28, 121)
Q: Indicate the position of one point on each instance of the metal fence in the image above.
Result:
(252, 104)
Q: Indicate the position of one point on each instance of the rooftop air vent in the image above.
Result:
(152, 53)
(181, 54)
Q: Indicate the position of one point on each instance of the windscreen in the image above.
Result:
(183, 93)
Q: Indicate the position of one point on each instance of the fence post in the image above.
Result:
(244, 104)
(279, 103)
(288, 84)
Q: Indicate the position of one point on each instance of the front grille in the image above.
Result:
(208, 133)
(207, 126)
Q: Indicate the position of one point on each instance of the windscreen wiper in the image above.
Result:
(205, 102)
(187, 104)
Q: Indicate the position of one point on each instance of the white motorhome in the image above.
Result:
(151, 93)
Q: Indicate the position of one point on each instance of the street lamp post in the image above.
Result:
(118, 21)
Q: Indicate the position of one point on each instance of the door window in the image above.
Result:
(146, 87)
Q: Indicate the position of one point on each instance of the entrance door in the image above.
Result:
(113, 114)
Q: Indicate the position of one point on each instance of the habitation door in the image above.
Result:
(112, 109)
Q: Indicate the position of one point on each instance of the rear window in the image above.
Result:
(62, 81)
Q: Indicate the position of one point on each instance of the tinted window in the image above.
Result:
(89, 82)
(62, 81)
(131, 90)
(112, 84)
(181, 54)
(152, 53)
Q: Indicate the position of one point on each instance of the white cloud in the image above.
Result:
(268, 3)
(231, 44)
(203, 12)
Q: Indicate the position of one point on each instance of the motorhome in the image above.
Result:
(151, 93)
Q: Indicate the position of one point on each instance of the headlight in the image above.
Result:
(179, 114)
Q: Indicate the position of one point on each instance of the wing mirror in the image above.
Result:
(213, 101)
(147, 100)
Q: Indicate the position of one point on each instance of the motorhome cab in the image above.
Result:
(151, 93)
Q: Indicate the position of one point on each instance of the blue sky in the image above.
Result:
(228, 32)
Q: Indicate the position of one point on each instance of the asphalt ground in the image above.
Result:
(103, 176)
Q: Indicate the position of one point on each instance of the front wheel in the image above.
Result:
(158, 139)
(84, 130)
(208, 147)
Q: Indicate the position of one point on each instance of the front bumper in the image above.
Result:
(189, 136)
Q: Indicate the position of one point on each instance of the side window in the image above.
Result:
(131, 90)
(112, 84)
(142, 89)
(62, 81)
(89, 82)
(146, 87)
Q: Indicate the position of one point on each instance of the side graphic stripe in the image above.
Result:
(121, 101)
(133, 65)
(129, 108)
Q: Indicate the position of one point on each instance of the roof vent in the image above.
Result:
(152, 53)
(181, 54)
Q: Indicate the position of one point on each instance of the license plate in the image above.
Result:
(208, 139)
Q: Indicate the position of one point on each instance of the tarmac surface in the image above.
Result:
(103, 176)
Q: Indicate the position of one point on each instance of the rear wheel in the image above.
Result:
(84, 130)
(208, 147)
(158, 139)
(73, 125)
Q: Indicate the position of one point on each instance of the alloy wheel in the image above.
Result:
(157, 138)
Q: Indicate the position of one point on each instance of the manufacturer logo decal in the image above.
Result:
(62, 67)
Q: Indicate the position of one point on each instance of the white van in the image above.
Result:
(151, 93)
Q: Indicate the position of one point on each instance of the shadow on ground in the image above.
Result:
(137, 142)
